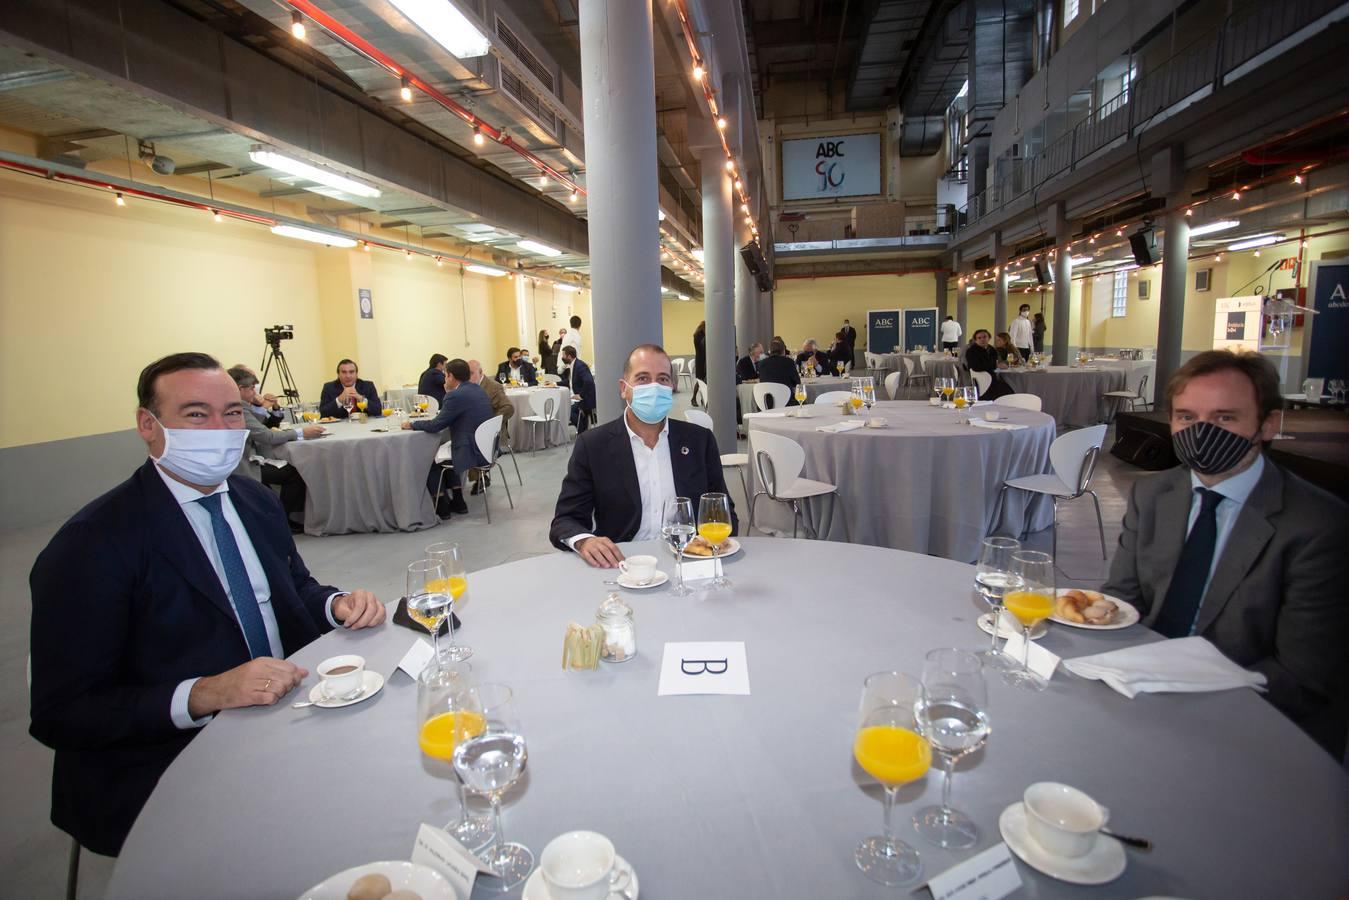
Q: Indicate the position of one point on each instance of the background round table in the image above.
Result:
(925, 483)
(360, 479)
(742, 796)
(1073, 396)
(523, 433)
(401, 397)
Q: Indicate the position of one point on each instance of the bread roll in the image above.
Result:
(370, 887)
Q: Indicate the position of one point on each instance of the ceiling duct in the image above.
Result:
(934, 79)
(889, 36)
(921, 135)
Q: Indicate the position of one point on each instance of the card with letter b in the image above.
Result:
(704, 667)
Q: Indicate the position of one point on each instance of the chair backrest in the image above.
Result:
(780, 393)
(543, 403)
(1073, 456)
(779, 460)
(908, 364)
(1135, 380)
(892, 384)
(983, 381)
(701, 387)
(698, 417)
(1021, 401)
(678, 362)
(873, 361)
(1142, 389)
(829, 397)
(486, 436)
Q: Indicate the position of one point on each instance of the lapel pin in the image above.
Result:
(684, 450)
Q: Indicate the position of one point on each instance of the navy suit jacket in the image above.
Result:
(600, 494)
(432, 384)
(125, 606)
(463, 410)
(526, 372)
(328, 405)
(582, 383)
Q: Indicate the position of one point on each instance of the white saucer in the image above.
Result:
(537, 889)
(1010, 626)
(424, 880)
(1104, 863)
(371, 684)
(729, 547)
(625, 582)
(1127, 615)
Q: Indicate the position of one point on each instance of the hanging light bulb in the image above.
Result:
(1297, 179)
(722, 123)
(215, 214)
(698, 72)
(365, 245)
(730, 166)
(575, 195)
(1218, 258)
(749, 220)
(407, 254)
(478, 139)
(1236, 195)
(121, 201)
(1119, 233)
(744, 207)
(439, 262)
(1092, 239)
(405, 89)
(297, 26)
(543, 180)
(1189, 212)
(738, 184)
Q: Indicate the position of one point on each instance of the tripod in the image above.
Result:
(272, 354)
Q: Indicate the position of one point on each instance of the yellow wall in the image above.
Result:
(679, 319)
(816, 307)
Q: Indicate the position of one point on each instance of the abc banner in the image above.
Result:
(1236, 323)
(883, 330)
(920, 328)
(1330, 327)
(840, 165)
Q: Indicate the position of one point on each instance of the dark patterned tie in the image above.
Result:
(241, 588)
(1186, 592)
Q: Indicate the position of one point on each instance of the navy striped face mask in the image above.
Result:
(1209, 449)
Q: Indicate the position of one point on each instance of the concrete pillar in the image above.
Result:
(719, 261)
(1171, 309)
(941, 302)
(1000, 298)
(765, 320)
(746, 307)
(963, 310)
(618, 80)
(1063, 301)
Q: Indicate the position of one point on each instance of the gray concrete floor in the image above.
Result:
(33, 853)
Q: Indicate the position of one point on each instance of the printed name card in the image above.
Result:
(1041, 661)
(703, 667)
(435, 848)
(416, 659)
(989, 875)
(699, 569)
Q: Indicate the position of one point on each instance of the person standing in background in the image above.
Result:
(1038, 328)
(700, 352)
(547, 357)
(572, 336)
(950, 334)
(850, 336)
(1020, 331)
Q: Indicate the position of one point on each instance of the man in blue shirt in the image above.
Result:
(465, 407)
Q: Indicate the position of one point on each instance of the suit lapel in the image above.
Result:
(1250, 533)
(1172, 527)
(177, 543)
(620, 456)
(683, 465)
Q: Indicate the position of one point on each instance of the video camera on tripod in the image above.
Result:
(278, 333)
(272, 354)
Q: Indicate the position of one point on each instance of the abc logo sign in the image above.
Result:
(883, 322)
(921, 320)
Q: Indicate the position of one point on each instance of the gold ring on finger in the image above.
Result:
(267, 684)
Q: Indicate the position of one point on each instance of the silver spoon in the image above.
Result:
(1136, 842)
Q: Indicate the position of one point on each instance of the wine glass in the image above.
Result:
(678, 528)
(456, 582)
(448, 712)
(1032, 601)
(888, 747)
(869, 392)
(428, 597)
(714, 526)
(855, 401)
(954, 719)
(489, 764)
(993, 578)
(800, 397)
(362, 403)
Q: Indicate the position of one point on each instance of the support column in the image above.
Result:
(1000, 298)
(1171, 309)
(1063, 289)
(618, 78)
(963, 309)
(719, 297)
(941, 302)
(746, 307)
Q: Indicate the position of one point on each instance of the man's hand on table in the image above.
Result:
(359, 609)
(407, 426)
(259, 682)
(600, 552)
(312, 431)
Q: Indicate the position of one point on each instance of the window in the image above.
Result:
(1202, 279)
(1120, 302)
(1069, 10)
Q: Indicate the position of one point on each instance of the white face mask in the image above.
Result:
(204, 456)
(1025, 315)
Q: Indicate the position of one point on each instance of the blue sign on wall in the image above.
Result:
(1330, 329)
(883, 330)
(920, 328)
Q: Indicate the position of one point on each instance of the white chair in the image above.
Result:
(917, 377)
(737, 461)
(1135, 391)
(873, 361)
(682, 371)
(1021, 401)
(779, 461)
(699, 398)
(832, 397)
(892, 384)
(1072, 456)
(544, 404)
(983, 381)
(488, 438)
(780, 393)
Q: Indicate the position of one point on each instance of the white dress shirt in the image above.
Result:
(200, 520)
(655, 480)
(950, 332)
(1020, 332)
(1236, 491)
(571, 339)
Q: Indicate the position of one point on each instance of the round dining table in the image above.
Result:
(747, 796)
(925, 482)
(365, 476)
(1073, 395)
(526, 436)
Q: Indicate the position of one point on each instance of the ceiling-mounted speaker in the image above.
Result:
(1143, 242)
(1044, 273)
(757, 266)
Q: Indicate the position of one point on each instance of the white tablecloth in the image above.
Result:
(1073, 396)
(523, 433)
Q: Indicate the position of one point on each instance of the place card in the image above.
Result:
(440, 851)
(416, 659)
(697, 570)
(704, 667)
(989, 875)
(1041, 661)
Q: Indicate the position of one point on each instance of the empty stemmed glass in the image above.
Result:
(489, 764)
(678, 527)
(993, 578)
(1031, 601)
(449, 712)
(953, 718)
(455, 584)
(714, 526)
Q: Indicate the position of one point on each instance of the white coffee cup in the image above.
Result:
(1062, 819)
(639, 569)
(579, 865)
(342, 685)
(877, 422)
(992, 415)
(934, 401)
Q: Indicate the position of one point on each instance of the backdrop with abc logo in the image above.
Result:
(883, 330)
(920, 328)
(839, 165)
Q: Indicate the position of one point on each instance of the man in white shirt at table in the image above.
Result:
(1021, 332)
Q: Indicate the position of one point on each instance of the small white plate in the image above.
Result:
(656, 581)
(402, 875)
(1103, 864)
(1010, 626)
(371, 684)
(1127, 615)
(729, 547)
(537, 889)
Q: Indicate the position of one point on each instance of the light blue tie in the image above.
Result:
(241, 588)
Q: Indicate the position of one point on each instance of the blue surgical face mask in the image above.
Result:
(651, 402)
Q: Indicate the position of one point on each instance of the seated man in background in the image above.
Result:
(622, 473)
(980, 357)
(746, 368)
(1235, 549)
(432, 381)
(582, 385)
(265, 406)
(811, 356)
(340, 397)
(517, 367)
(191, 585)
(262, 463)
(465, 408)
(496, 395)
(778, 368)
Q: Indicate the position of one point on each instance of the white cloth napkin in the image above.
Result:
(765, 415)
(839, 427)
(1180, 665)
(996, 426)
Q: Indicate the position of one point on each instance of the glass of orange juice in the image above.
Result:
(449, 712)
(455, 583)
(889, 746)
(362, 404)
(386, 411)
(1032, 602)
(714, 526)
(800, 395)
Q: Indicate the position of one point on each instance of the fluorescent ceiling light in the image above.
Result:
(698, 254)
(683, 296)
(1255, 242)
(540, 249)
(1211, 227)
(273, 160)
(1082, 260)
(307, 234)
(446, 25)
(484, 270)
(568, 288)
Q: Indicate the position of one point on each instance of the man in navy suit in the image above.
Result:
(623, 472)
(188, 587)
(517, 367)
(466, 406)
(347, 390)
(582, 384)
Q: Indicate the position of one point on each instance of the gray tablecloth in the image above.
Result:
(1132, 367)
(1072, 396)
(362, 480)
(814, 388)
(925, 483)
(523, 434)
(749, 796)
